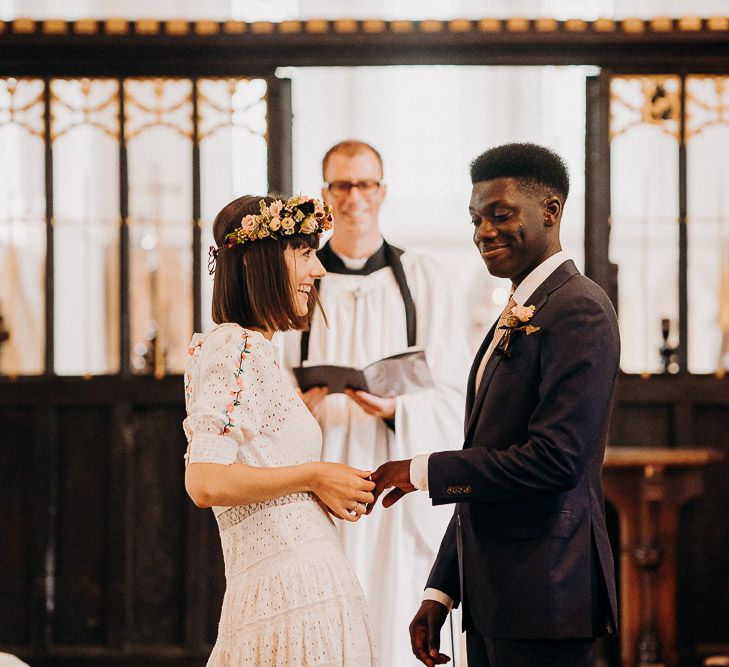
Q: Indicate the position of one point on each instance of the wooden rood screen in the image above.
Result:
(119, 141)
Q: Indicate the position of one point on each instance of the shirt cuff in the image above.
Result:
(419, 472)
(438, 596)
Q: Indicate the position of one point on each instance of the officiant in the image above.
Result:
(379, 300)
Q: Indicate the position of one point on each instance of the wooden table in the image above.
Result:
(647, 486)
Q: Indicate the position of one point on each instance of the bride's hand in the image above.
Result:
(346, 491)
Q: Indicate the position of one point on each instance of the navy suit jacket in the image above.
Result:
(527, 550)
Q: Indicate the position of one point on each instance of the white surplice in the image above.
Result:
(392, 550)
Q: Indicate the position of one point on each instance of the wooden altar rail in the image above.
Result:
(648, 486)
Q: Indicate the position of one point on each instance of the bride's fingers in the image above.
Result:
(365, 498)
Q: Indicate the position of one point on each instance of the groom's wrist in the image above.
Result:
(438, 596)
(419, 472)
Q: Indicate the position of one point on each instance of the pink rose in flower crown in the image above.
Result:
(275, 208)
(247, 225)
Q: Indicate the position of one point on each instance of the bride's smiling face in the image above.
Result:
(304, 268)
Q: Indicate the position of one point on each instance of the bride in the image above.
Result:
(291, 596)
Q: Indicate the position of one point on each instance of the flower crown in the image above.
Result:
(298, 215)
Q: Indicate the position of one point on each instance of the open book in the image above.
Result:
(400, 374)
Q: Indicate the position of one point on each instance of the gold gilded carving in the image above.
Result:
(517, 24)
(23, 26)
(402, 26)
(55, 27)
(116, 26)
(177, 27)
(460, 25)
(652, 100)
(489, 25)
(707, 103)
(21, 104)
(262, 27)
(147, 27)
(373, 25)
(235, 27)
(345, 25)
(84, 102)
(169, 108)
(239, 103)
(575, 25)
(546, 25)
(431, 26)
(689, 23)
(662, 24)
(288, 27)
(207, 27)
(317, 26)
(633, 25)
(86, 27)
(603, 25)
(717, 23)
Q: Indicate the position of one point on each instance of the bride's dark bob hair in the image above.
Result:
(252, 286)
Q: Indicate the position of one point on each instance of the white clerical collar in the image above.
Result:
(355, 264)
(528, 286)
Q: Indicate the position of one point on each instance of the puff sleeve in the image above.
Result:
(220, 413)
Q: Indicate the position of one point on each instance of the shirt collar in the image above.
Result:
(528, 286)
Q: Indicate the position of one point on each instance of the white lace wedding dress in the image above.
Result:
(291, 595)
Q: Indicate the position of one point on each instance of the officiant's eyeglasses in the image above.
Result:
(343, 188)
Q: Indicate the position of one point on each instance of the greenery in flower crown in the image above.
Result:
(298, 215)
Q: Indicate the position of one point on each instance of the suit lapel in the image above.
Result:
(554, 281)
(470, 388)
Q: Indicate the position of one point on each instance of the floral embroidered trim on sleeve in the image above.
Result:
(192, 351)
(235, 393)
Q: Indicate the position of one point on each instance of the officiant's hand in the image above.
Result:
(425, 633)
(392, 473)
(312, 399)
(377, 406)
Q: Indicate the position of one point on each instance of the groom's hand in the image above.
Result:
(391, 474)
(425, 633)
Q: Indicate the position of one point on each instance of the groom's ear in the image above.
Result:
(552, 210)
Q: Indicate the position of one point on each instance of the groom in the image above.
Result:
(526, 553)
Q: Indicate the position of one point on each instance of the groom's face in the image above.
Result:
(512, 229)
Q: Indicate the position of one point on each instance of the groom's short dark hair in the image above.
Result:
(533, 166)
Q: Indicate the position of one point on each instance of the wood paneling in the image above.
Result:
(157, 523)
(17, 475)
(82, 532)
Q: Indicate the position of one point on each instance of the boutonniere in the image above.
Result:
(516, 320)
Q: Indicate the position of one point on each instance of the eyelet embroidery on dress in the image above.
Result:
(235, 515)
(235, 393)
